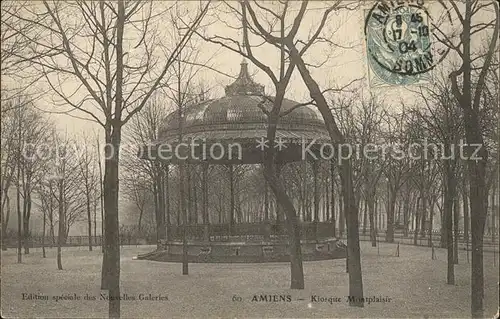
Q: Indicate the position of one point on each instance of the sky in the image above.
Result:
(343, 62)
(343, 66)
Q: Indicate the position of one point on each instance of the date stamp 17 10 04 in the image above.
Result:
(398, 42)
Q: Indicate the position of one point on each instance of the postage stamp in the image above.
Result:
(399, 45)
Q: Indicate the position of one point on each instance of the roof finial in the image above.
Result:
(244, 84)
(244, 42)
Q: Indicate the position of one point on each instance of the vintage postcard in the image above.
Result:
(250, 159)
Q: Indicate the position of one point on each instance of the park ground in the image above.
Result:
(415, 283)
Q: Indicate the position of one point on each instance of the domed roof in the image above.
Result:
(239, 115)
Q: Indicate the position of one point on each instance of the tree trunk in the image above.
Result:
(280, 215)
(5, 218)
(355, 274)
(365, 216)
(478, 196)
(159, 205)
(195, 196)
(101, 200)
(266, 211)
(5, 209)
(417, 217)
(19, 213)
(206, 232)
(309, 212)
(478, 217)
(60, 231)
(89, 218)
(111, 260)
(332, 180)
(189, 202)
(423, 215)
(51, 228)
(327, 200)
(221, 208)
(296, 268)
(241, 217)
(371, 215)
(456, 217)
(182, 210)
(398, 221)
(470, 103)
(95, 221)
(43, 233)
(178, 215)
(167, 202)
(139, 222)
(465, 206)
(448, 216)
(271, 174)
(232, 206)
(494, 210)
(27, 213)
(315, 191)
(406, 210)
(156, 207)
(431, 220)
(304, 192)
(390, 216)
(443, 241)
(341, 216)
(354, 257)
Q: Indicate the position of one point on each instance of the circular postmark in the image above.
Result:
(398, 41)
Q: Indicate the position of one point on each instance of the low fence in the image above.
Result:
(75, 241)
(246, 231)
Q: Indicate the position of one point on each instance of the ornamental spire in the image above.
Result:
(244, 84)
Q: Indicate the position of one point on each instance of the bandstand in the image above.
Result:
(237, 122)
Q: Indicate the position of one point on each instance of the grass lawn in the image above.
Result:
(415, 283)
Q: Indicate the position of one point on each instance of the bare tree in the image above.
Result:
(47, 207)
(24, 128)
(9, 132)
(284, 37)
(35, 132)
(89, 178)
(13, 95)
(182, 92)
(473, 17)
(17, 76)
(360, 124)
(297, 56)
(137, 189)
(271, 106)
(143, 176)
(83, 43)
(396, 170)
(442, 120)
